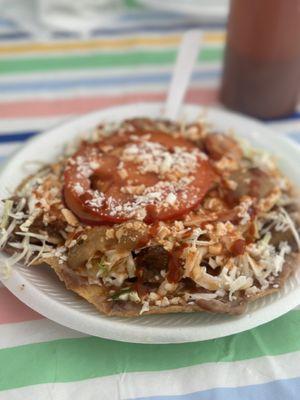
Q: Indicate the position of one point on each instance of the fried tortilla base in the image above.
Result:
(98, 295)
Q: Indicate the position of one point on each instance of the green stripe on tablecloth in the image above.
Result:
(104, 60)
(76, 359)
(132, 4)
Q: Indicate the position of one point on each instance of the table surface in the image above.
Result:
(45, 79)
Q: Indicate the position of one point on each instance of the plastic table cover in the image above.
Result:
(47, 78)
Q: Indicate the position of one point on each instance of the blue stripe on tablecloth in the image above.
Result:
(139, 15)
(159, 28)
(16, 137)
(14, 36)
(295, 115)
(57, 35)
(54, 85)
(295, 136)
(2, 159)
(285, 389)
(7, 23)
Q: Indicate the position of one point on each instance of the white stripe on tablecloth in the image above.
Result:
(13, 125)
(163, 383)
(126, 81)
(80, 91)
(36, 331)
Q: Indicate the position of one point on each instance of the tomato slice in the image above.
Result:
(150, 177)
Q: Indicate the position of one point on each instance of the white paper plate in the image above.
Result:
(43, 292)
(204, 9)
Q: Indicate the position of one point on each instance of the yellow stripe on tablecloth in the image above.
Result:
(105, 43)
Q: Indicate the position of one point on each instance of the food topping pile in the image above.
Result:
(150, 216)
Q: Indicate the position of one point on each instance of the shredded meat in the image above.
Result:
(126, 236)
(218, 145)
(253, 182)
(151, 260)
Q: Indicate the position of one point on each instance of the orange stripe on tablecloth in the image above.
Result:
(13, 310)
(47, 108)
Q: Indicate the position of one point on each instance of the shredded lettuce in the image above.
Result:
(102, 267)
(126, 294)
(266, 239)
(116, 296)
(5, 217)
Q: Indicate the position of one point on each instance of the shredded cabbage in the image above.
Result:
(5, 216)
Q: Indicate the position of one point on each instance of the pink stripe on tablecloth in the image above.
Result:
(46, 108)
(12, 310)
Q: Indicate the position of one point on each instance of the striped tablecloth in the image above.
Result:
(44, 80)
